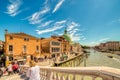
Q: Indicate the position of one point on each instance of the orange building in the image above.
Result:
(50, 47)
(19, 45)
(54, 46)
(65, 45)
(76, 48)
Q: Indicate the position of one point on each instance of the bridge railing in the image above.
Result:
(79, 73)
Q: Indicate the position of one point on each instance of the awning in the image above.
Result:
(21, 60)
(17, 58)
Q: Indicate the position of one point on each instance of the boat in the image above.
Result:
(110, 56)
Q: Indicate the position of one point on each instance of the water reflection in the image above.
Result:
(101, 59)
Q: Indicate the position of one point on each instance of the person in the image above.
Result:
(15, 67)
(33, 72)
(9, 68)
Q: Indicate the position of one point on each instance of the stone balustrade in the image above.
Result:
(79, 73)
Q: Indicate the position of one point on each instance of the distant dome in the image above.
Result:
(66, 36)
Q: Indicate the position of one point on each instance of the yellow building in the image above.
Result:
(19, 45)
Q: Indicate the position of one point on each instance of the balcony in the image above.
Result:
(79, 73)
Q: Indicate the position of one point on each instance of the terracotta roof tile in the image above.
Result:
(22, 34)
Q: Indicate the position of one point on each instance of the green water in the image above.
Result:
(101, 59)
(98, 59)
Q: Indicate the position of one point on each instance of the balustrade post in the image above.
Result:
(57, 76)
(52, 76)
(42, 73)
(58, 73)
(67, 78)
(48, 75)
(82, 77)
(74, 77)
(93, 77)
(62, 77)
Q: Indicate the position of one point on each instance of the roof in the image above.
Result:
(22, 34)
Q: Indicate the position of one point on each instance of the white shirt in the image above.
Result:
(10, 67)
(34, 73)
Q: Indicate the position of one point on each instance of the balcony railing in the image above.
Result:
(79, 73)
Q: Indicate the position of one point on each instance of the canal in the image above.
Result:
(101, 59)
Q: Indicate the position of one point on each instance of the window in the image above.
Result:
(11, 38)
(37, 48)
(10, 48)
(55, 49)
(26, 39)
(55, 43)
(24, 48)
(37, 40)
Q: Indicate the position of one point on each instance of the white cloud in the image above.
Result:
(58, 5)
(61, 22)
(97, 42)
(49, 29)
(72, 26)
(13, 8)
(76, 38)
(84, 38)
(46, 23)
(104, 39)
(72, 30)
(36, 17)
(56, 26)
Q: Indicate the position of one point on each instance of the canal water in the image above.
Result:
(101, 59)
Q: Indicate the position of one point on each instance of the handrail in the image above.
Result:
(106, 73)
(86, 70)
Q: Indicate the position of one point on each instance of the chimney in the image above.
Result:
(6, 31)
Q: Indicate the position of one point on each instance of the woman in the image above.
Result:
(34, 71)
(10, 70)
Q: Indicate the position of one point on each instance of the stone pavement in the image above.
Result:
(12, 77)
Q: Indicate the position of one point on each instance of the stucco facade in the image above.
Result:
(23, 45)
(19, 44)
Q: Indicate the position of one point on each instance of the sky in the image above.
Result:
(88, 22)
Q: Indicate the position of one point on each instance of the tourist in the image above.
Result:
(34, 71)
(9, 69)
(15, 67)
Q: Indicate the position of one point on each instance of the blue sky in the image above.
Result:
(89, 22)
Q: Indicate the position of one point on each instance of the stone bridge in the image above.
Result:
(79, 73)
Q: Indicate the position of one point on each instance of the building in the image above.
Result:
(113, 46)
(1, 47)
(110, 46)
(76, 48)
(21, 45)
(56, 45)
(50, 47)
